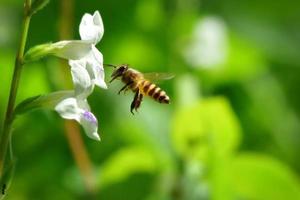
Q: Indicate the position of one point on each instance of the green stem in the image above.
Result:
(5, 135)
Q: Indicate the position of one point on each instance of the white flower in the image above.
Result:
(79, 110)
(79, 52)
(87, 71)
(86, 63)
(91, 30)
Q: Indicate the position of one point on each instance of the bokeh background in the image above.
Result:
(231, 131)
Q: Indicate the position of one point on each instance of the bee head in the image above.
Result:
(119, 71)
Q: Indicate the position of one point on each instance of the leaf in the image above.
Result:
(45, 101)
(260, 177)
(127, 162)
(209, 125)
(208, 132)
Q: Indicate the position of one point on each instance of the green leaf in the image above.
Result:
(38, 5)
(209, 125)
(208, 132)
(127, 162)
(42, 101)
(259, 177)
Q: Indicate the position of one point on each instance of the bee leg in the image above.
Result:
(136, 101)
(131, 109)
(132, 106)
(125, 87)
(139, 101)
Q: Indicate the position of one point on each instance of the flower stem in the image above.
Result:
(5, 134)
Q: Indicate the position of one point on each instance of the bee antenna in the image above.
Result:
(110, 65)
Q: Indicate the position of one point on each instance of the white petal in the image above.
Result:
(83, 104)
(97, 55)
(90, 124)
(81, 79)
(91, 27)
(95, 65)
(71, 49)
(68, 109)
(79, 110)
(81, 62)
(99, 80)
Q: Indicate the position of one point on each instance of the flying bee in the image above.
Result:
(141, 84)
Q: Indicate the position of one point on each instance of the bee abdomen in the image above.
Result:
(155, 92)
(147, 86)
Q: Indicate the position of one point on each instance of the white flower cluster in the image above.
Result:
(87, 71)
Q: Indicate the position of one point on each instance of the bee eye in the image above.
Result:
(122, 69)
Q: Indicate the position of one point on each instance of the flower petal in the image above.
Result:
(71, 49)
(79, 110)
(68, 109)
(97, 55)
(83, 104)
(95, 66)
(67, 49)
(90, 124)
(91, 27)
(81, 79)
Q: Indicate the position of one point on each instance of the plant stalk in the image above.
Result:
(9, 117)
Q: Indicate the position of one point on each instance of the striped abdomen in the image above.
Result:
(151, 90)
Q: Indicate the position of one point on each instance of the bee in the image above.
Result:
(141, 84)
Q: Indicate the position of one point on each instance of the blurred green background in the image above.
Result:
(231, 131)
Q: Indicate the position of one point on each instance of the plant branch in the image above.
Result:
(5, 134)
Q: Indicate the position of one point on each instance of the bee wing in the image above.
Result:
(155, 76)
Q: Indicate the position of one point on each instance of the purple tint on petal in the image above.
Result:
(90, 117)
